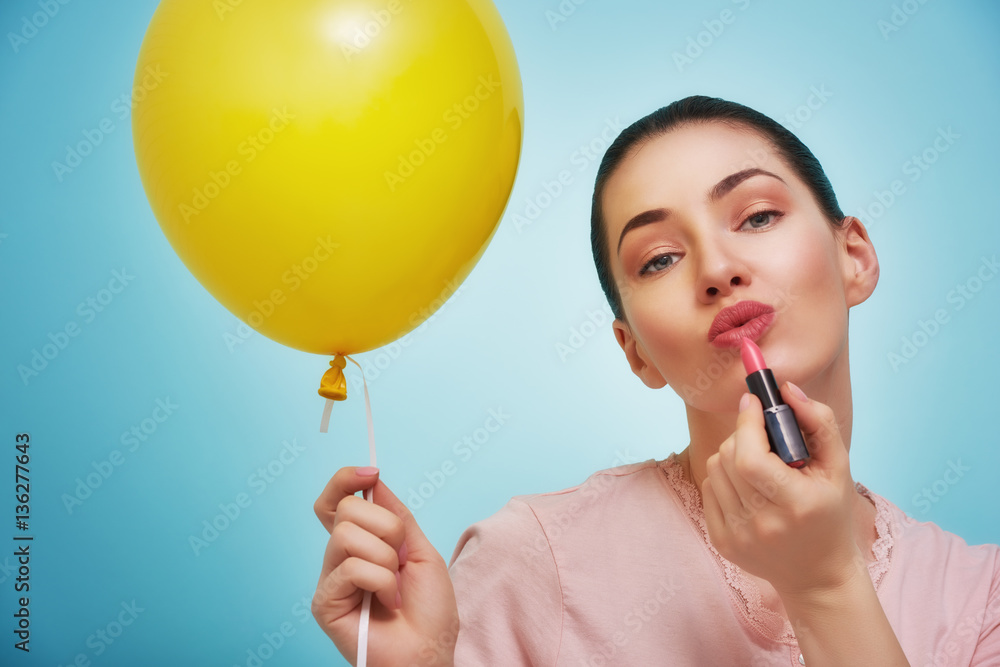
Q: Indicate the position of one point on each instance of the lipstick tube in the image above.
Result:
(783, 432)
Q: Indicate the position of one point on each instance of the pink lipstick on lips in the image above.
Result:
(783, 431)
(741, 320)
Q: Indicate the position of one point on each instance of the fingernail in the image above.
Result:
(366, 471)
(798, 392)
(744, 402)
(402, 554)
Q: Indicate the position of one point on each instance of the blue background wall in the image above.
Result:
(886, 94)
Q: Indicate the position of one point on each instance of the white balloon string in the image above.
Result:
(324, 423)
(369, 496)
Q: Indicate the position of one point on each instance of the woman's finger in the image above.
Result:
(416, 547)
(351, 540)
(819, 428)
(715, 519)
(732, 457)
(730, 504)
(345, 482)
(755, 467)
(341, 589)
(372, 517)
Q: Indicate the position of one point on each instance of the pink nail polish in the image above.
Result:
(366, 471)
(798, 392)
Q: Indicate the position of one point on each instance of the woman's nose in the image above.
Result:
(720, 271)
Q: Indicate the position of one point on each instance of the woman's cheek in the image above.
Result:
(815, 245)
(660, 335)
(801, 269)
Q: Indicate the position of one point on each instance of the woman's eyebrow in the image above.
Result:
(723, 187)
(644, 218)
(718, 191)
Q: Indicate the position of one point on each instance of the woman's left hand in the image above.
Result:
(792, 527)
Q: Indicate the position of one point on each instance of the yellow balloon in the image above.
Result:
(329, 170)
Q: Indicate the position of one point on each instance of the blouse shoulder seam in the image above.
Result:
(555, 564)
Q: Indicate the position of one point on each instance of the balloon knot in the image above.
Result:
(334, 385)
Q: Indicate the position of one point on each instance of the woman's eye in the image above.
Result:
(659, 263)
(760, 219)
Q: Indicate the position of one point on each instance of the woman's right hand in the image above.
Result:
(379, 547)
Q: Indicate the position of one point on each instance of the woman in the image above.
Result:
(710, 223)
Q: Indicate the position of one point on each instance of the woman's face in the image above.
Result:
(726, 221)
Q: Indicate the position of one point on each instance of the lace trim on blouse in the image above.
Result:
(744, 590)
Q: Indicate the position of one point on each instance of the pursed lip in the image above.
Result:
(745, 319)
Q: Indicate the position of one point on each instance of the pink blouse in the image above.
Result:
(619, 570)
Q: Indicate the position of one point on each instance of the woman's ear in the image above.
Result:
(636, 356)
(860, 263)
